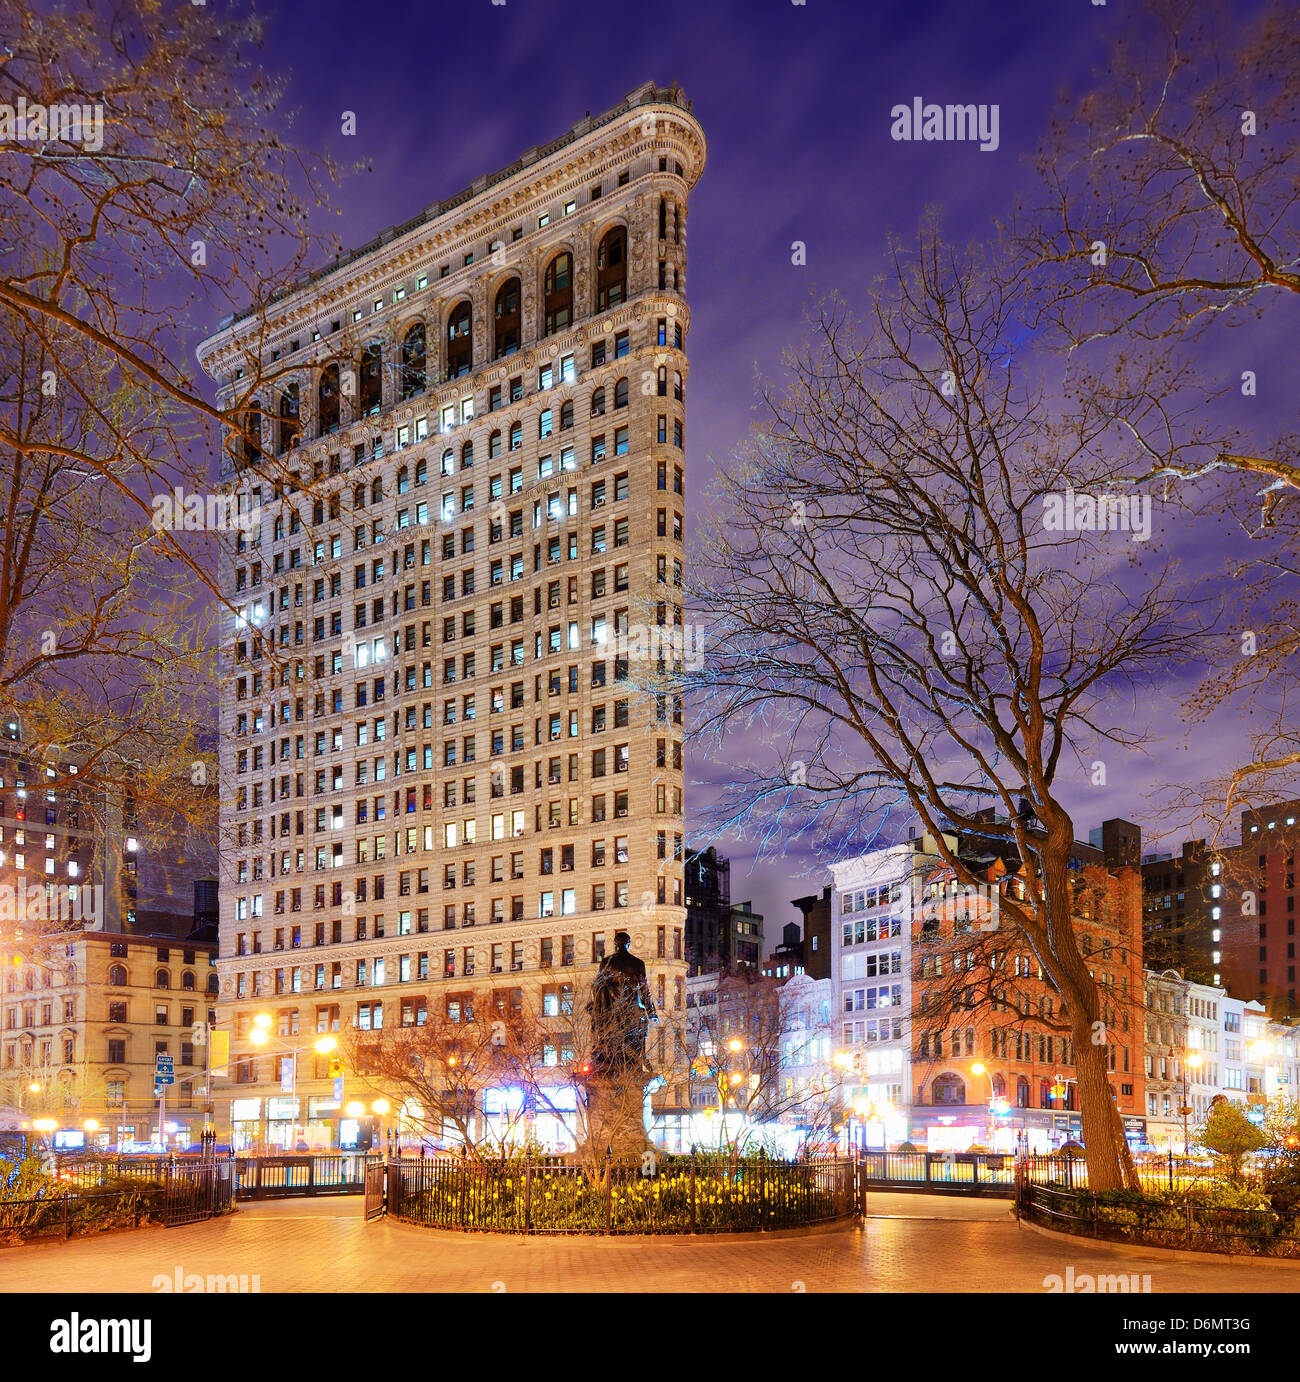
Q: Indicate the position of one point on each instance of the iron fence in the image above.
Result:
(77, 1202)
(277, 1177)
(1160, 1220)
(670, 1195)
(989, 1173)
(941, 1172)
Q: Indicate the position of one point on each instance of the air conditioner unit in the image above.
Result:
(555, 825)
(598, 503)
(597, 906)
(622, 811)
(516, 964)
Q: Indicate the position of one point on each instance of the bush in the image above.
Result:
(1211, 1217)
(731, 1195)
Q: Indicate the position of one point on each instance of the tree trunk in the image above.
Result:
(1109, 1160)
(1106, 1150)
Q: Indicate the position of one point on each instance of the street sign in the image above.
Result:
(164, 1070)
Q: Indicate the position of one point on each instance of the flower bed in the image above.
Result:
(712, 1196)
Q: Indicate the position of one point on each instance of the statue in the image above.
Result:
(621, 1011)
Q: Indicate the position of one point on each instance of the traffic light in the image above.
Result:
(336, 1067)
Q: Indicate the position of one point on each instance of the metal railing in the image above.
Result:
(278, 1177)
(990, 1173)
(941, 1172)
(1163, 1221)
(75, 1201)
(672, 1195)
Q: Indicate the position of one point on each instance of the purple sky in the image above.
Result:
(794, 101)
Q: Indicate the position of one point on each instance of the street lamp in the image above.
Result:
(1191, 1059)
(260, 1037)
(989, 1126)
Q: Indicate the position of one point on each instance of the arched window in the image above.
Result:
(948, 1089)
(289, 423)
(505, 340)
(212, 983)
(620, 394)
(251, 443)
(494, 445)
(598, 403)
(370, 395)
(162, 979)
(999, 1087)
(376, 491)
(359, 497)
(557, 294)
(566, 415)
(449, 462)
(1044, 1094)
(661, 381)
(327, 400)
(421, 472)
(467, 455)
(1022, 1092)
(403, 480)
(678, 392)
(611, 269)
(413, 374)
(187, 980)
(117, 976)
(460, 347)
(516, 435)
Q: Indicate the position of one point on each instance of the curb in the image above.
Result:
(1161, 1254)
(852, 1223)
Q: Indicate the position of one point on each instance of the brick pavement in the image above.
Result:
(910, 1243)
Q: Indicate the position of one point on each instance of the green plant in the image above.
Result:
(1230, 1135)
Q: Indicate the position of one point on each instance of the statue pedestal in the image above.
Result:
(616, 1114)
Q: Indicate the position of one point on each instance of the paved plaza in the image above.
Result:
(909, 1243)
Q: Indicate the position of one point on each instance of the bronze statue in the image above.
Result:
(621, 1011)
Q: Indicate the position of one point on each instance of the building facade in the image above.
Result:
(451, 748)
(85, 1020)
(871, 977)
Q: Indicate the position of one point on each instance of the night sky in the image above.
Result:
(795, 103)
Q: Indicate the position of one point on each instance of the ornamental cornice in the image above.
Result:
(610, 147)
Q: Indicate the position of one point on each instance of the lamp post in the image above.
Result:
(261, 1038)
(1192, 1059)
(990, 1125)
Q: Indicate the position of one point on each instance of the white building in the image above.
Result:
(871, 967)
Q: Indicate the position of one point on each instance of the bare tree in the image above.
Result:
(439, 1070)
(744, 1046)
(899, 610)
(1167, 241)
(148, 190)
